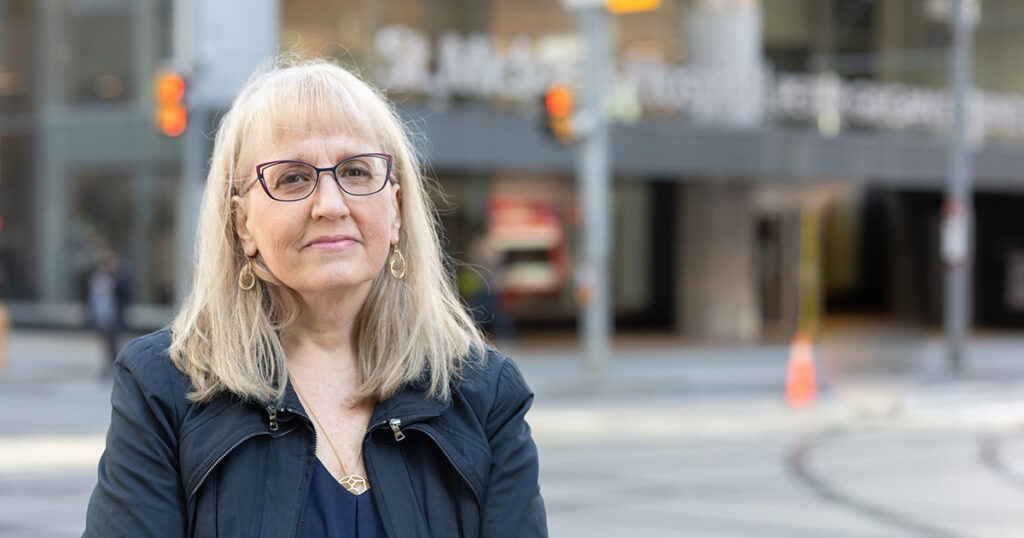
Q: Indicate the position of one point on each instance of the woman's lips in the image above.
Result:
(334, 242)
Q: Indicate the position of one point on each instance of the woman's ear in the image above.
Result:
(240, 219)
(396, 224)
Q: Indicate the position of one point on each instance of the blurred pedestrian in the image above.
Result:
(108, 286)
(322, 378)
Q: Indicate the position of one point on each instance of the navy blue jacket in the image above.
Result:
(465, 467)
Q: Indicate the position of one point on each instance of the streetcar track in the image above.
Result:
(991, 457)
(798, 462)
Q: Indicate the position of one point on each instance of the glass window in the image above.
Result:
(16, 37)
(100, 70)
(132, 212)
(17, 219)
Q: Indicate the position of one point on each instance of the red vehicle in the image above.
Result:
(531, 237)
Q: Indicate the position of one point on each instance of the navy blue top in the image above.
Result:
(334, 512)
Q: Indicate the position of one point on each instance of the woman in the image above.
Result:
(322, 379)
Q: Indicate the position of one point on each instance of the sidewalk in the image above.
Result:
(912, 365)
(739, 389)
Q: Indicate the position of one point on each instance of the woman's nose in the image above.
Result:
(328, 198)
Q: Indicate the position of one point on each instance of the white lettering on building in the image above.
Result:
(476, 67)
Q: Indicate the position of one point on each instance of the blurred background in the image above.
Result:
(732, 189)
(730, 121)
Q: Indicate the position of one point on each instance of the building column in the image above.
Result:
(723, 41)
(717, 297)
(52, 197)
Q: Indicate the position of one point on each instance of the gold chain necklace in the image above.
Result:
(355, 483)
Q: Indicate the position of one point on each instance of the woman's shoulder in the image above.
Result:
(489, 378)
(147, 360)
(146, 350)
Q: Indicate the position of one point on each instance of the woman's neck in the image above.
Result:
(324, 364)
(322, 341)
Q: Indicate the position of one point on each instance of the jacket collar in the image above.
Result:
(409, 404)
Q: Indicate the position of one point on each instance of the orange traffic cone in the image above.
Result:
(801, 385)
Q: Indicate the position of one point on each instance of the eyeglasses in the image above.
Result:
(291, 181)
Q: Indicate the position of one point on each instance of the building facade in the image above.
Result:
(773, 161)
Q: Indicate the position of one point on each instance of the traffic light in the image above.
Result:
(631, 6)
(559, 104)
(170, 114)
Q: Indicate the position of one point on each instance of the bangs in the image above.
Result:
(321, 107)
(319, 102)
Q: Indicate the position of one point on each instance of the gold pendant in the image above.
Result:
(356, 484)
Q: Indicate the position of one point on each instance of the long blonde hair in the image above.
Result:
(229, 340)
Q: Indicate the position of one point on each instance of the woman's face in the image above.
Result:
(329, 241)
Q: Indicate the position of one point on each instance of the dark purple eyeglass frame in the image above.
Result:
(319, 171)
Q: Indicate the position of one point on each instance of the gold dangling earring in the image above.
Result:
(246, 277)
(396, 263)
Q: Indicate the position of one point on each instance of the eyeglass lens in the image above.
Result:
(292, 180)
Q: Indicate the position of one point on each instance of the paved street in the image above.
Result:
(674, 440)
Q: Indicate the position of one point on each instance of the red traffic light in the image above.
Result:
(170, 88)
(170, 114)
(559, 101)
(559, 105)
(173, 120)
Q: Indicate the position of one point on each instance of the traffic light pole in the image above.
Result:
(190, 194)
(190, 191)
(593, 181)
(958, 209)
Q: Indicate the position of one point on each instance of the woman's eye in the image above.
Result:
(292, 177)
(355, 171)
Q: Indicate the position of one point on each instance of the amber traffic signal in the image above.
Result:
(170, 114)
(631, 6)
(559, 105)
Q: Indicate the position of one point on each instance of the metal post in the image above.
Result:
(189, 195)
(958, 210)
(593, 179)
(191, 174)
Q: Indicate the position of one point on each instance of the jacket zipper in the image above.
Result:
(396, 423)
(219, 459)
(271, 424)
(395, 428)
(302, 510)
(272, 418)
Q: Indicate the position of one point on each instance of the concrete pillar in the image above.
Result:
(717, 296)
(723, 40)
(52, 199)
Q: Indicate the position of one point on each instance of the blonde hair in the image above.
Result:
(229, 339)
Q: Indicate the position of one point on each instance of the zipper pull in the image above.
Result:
(395, 423)
(272, 418)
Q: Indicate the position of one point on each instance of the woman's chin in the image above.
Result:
(336, 285)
